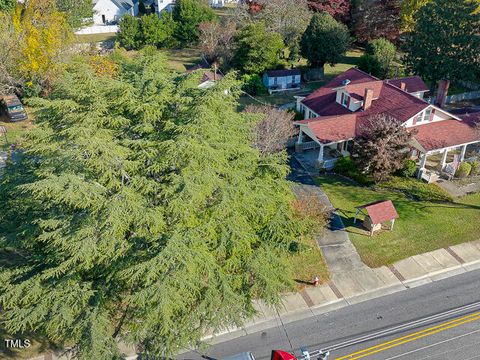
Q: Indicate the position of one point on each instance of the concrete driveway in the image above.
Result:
(346, 268)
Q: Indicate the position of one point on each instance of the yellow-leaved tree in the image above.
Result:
(46, 37)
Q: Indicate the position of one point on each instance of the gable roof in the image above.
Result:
(337, 123)
(413, 84)
(446, 133)
(388, 98)
(281, 73)
(322, 101)
(380, 211)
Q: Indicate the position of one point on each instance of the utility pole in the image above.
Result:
(3, 130)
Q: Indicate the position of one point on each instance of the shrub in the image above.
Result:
(409, 168)
(463, 170)
(253, 85)
(370, 65)
(417, 189)
(129, 33)
(346, 167)
(383, 51)
(475, 168)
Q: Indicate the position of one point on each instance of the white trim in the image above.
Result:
(436, 151)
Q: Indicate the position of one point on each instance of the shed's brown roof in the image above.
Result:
(381, 211)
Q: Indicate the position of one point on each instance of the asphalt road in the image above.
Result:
(440, 320)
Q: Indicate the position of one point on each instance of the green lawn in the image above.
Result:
(422, 226)
(348, 61)
(182, 59)
(95, 38)
(15, 130)
(309, 263)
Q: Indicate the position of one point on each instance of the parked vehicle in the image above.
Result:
(241, 356)
(14, 108)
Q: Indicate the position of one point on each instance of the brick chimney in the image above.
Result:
(442, 92)
(367, 99)
(403, 86)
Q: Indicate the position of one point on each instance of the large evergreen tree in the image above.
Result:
(257, 49)
(188, 14)
(324, 41)
(142, 213)
(7, 5)
(445, 43)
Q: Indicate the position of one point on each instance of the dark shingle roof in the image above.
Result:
(281, 73)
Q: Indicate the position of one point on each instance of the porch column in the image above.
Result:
(300, 137)
(462, 154)
(423, 162)
(320, 154)
(444, 158)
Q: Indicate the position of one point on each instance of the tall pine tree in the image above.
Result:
(142, 213)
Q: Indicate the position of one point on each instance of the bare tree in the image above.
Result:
(286, 17)
(382, 146)
(216, 40)
(273, 130)
(10, 53)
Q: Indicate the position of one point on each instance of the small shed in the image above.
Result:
(281, 80)
(376, 214)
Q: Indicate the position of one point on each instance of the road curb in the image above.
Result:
(317, 310)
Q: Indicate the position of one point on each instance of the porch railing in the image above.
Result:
(329, 164)
(307, 146)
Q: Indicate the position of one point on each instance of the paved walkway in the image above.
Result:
(351, 281)
(459, 189)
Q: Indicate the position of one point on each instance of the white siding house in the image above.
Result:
(281, 80)
(110, 11)
(164, 5)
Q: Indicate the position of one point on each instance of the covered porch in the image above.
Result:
(317, 155)
(443, 163)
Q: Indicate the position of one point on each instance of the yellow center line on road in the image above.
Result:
(411, 337)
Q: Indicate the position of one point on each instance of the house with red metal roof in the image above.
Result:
(334, 113)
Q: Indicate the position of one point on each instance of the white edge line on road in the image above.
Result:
(432, 345)
(404, 326)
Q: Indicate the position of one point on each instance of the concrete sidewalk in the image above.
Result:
(361, 285)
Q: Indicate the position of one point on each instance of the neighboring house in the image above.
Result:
(222, 3)
(281, 80)
(164, 5)
(209, 77)
(334, 114)
(111, 11)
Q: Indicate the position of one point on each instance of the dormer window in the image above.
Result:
(345, 100)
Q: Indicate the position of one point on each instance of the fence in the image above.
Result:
(97, 29)
(472, 95)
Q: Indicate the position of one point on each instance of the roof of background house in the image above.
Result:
(413, 84)
(441, 134)
(281, 73)
(209, 75)
(380, 211)
(126, 4)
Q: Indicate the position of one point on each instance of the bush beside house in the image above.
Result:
(463, 170)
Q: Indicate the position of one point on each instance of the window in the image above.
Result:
(426, 115)
(345, 100)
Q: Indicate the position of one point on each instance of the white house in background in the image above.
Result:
(164, 5)
(222, 3)
(281, 80)
(110, 11)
